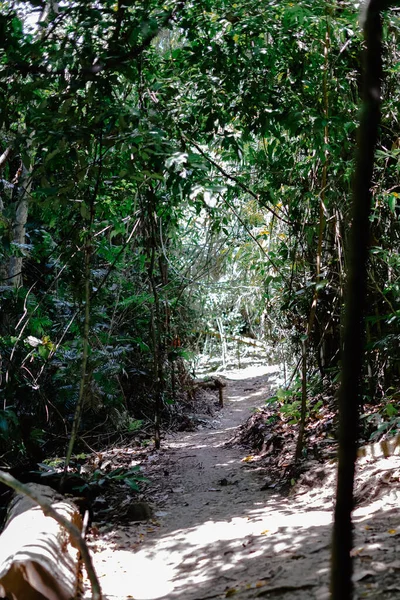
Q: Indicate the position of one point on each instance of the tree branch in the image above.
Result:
(235, 179)
(4, 157)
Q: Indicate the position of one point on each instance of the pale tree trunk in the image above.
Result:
(18, 192)
(11, 273)
(19, 225)
(4, 189)
(224, 346)
(16, 195)
(49, 11)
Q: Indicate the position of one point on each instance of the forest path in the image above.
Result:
(219, 533)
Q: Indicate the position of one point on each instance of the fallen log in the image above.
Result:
(247, 341)
(39, 559)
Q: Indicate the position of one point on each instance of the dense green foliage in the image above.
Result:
(187, 174)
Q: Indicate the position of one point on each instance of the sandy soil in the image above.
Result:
(219, 534)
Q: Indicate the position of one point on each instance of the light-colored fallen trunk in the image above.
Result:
(38, 558)
(235, 338)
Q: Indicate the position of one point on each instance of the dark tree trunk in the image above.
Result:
(353, 340)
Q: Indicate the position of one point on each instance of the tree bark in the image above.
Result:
(38, 494)
(37, 558)
(353, 339)
(19, 224)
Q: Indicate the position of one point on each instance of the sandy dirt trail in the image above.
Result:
(219, 533)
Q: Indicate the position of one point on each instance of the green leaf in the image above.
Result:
(321, 284)
(391, 410)
(132, 484)
(84, 210)
(392, 202)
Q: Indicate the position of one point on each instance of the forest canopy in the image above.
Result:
(175, 180)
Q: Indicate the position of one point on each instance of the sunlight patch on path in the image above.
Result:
(250, 371)
(126, 575)
(211, 553)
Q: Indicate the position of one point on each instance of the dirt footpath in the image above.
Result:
(219, 534)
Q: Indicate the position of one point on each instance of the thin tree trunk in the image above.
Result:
(86, 326)
(352, 356)
(85, 354)
(156, 327)
(302, 425)
(224, 348)
(321, 229)
(12, 272)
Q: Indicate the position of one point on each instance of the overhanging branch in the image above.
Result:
(242, 186)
